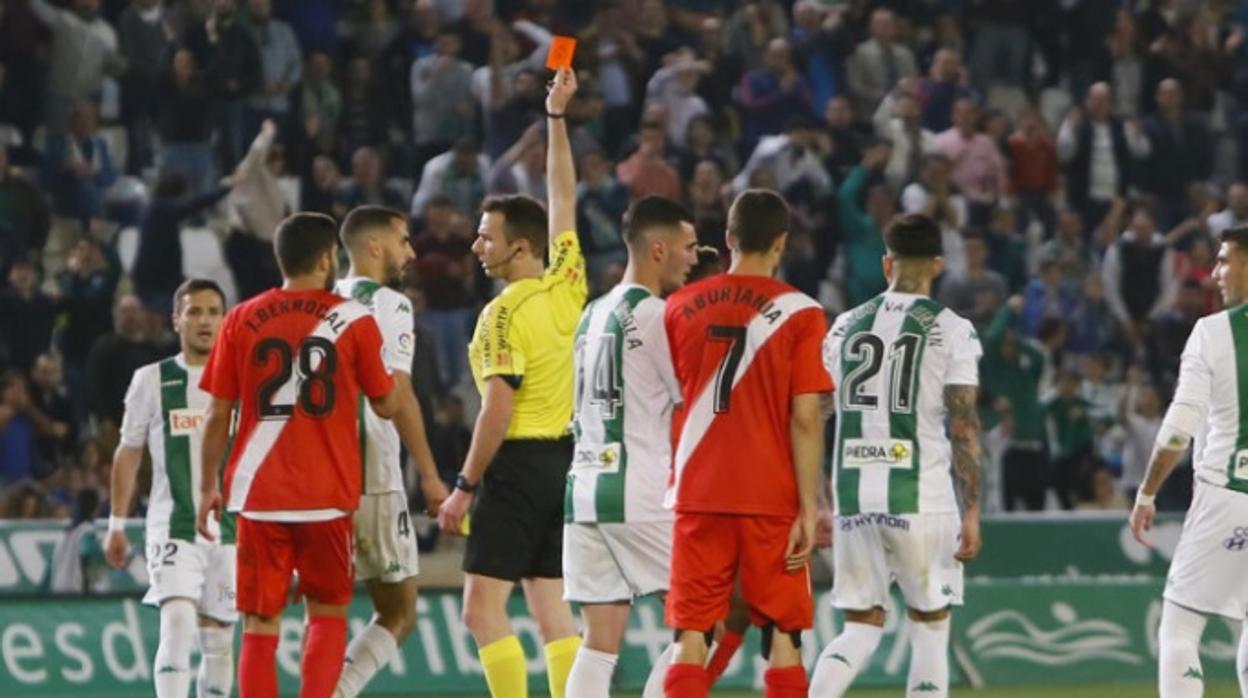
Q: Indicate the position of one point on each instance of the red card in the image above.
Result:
(561, 50)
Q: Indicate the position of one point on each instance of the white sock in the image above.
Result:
(368, 652)
(591, 674)
(1241, 660)
(216, 663)
(173, 654)
(843, 658)
(1180, 674)
(658, 672)
(929, 659)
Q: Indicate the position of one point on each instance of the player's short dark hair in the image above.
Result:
(364, 218)
(757, 218)
(186, 288)
(651, 212)
(1237, 234)
(523, 219)
(300, 241)
(913, 235)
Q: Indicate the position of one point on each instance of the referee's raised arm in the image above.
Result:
(560, 171)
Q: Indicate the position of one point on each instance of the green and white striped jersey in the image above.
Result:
(891, 359)
(379, 439)
(1213, 383)
(166, 410)
(625, 392)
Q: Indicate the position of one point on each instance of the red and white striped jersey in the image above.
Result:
(743, 347)
(296, 362)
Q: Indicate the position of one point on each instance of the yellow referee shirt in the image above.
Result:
(525, 335)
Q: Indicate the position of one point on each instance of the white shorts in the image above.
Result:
(608, 563)
(385, 545)
(1211, 560)
(201, 572)
(870, 551)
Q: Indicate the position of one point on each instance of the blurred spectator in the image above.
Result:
(446, 269)
(912, 142)
(522, 168)
(441, 97)
(318, 104)
(702, 142)
(1096, 149)
(115, 357)
(22, 68)
(77, 169)
(674, 86)
(82, 52)
(878, 63)
(935, 196)
(646, 172)
(373, 28)
(230, 57)
(941, 89)
(1171, 329)
(281, 65)
(1137, 271)
(78, 565)
(414, 41)
(158, 262)
(26, 317)
(86, 290)
(1105, 494)
(848, 138)
(820, 46)
(716, 88)
(452, 436)
(1197, 264)
(475, 28)
(458, 174)
(1034, 171)
(1181, 153)
(601, 202)
(143, 39)
(1068, 248)
(750, 28)
(1091, 324)
(1007, 250)
(24, 217)
(771, 95)
(706, 199)
(514, 107)
(186, 124)
(367, 185)
(1001, 48)
(792, 158)
(256, 207)
(1121, 63)
(1045, 297)
(1235, 214)
(862, 231)
(1140, 416)
(49, 396)
(320, 188)
(1068, 423)
(609, 46)
(977, 292)
(21, 423)
(367, 111)
(1012, 368)
(656, 37)
(1190, 53)
(978, 168)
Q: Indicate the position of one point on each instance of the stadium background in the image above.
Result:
(132, 155)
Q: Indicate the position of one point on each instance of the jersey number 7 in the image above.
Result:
(726, 374)
(318, 359)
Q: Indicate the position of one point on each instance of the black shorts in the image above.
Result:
(517, 520)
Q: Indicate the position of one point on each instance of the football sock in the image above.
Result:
(658, 672)
(216, 662)
(929, 659)
(505, 671)
(173, 654)
(591, 674)
(1241, 661)
(788, 682)
(724, 651)
(368, 652)
(323, 650)
(686, 681)
(843, 658)
(257, 666)
(560, 655)
(1180, 674)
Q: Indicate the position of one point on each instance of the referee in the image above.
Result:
(521, 356)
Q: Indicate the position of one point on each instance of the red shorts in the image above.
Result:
(711, 551)
(268, 551)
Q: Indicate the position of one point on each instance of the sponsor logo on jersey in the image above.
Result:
(1238, 540)
(186, 421)
(849, 523)
(859, 453)
(1241, 465)
(405, 341)
(605, 458)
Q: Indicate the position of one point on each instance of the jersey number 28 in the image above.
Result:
(318, 359)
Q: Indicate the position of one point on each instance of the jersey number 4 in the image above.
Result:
(865, 354)
(318, 359)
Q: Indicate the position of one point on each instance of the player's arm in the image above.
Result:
(560, 170)
(497, 406)
(212, 452)
(806, 437)
(126, 460)
(387, 406)
(964, 430)
(410, 422)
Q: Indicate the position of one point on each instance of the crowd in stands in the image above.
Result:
(1080, 155)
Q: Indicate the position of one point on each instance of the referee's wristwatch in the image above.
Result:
(461, 483)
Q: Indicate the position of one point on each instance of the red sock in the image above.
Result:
(789, 682)
(686, 681)
(724, 652)
(257, 666)
(324, 648)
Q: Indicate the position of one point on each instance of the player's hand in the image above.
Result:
(209, 503)
(1142, 520)
(435, 493)
(971, 541)
(116, 548)
(801, 542)
(824, 526)
(562, 87)
(451, 513)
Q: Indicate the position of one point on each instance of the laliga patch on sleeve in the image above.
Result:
(561, 50)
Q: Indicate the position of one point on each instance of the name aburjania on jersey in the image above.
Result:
(763, 305)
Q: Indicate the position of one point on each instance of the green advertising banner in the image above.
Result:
(1009, 633)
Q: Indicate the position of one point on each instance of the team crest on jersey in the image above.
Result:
(860, 453)
(186, 422)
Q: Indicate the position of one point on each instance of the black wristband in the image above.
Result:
(553, 116)
(461, 483)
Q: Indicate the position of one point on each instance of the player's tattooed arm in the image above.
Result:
(960, 402)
